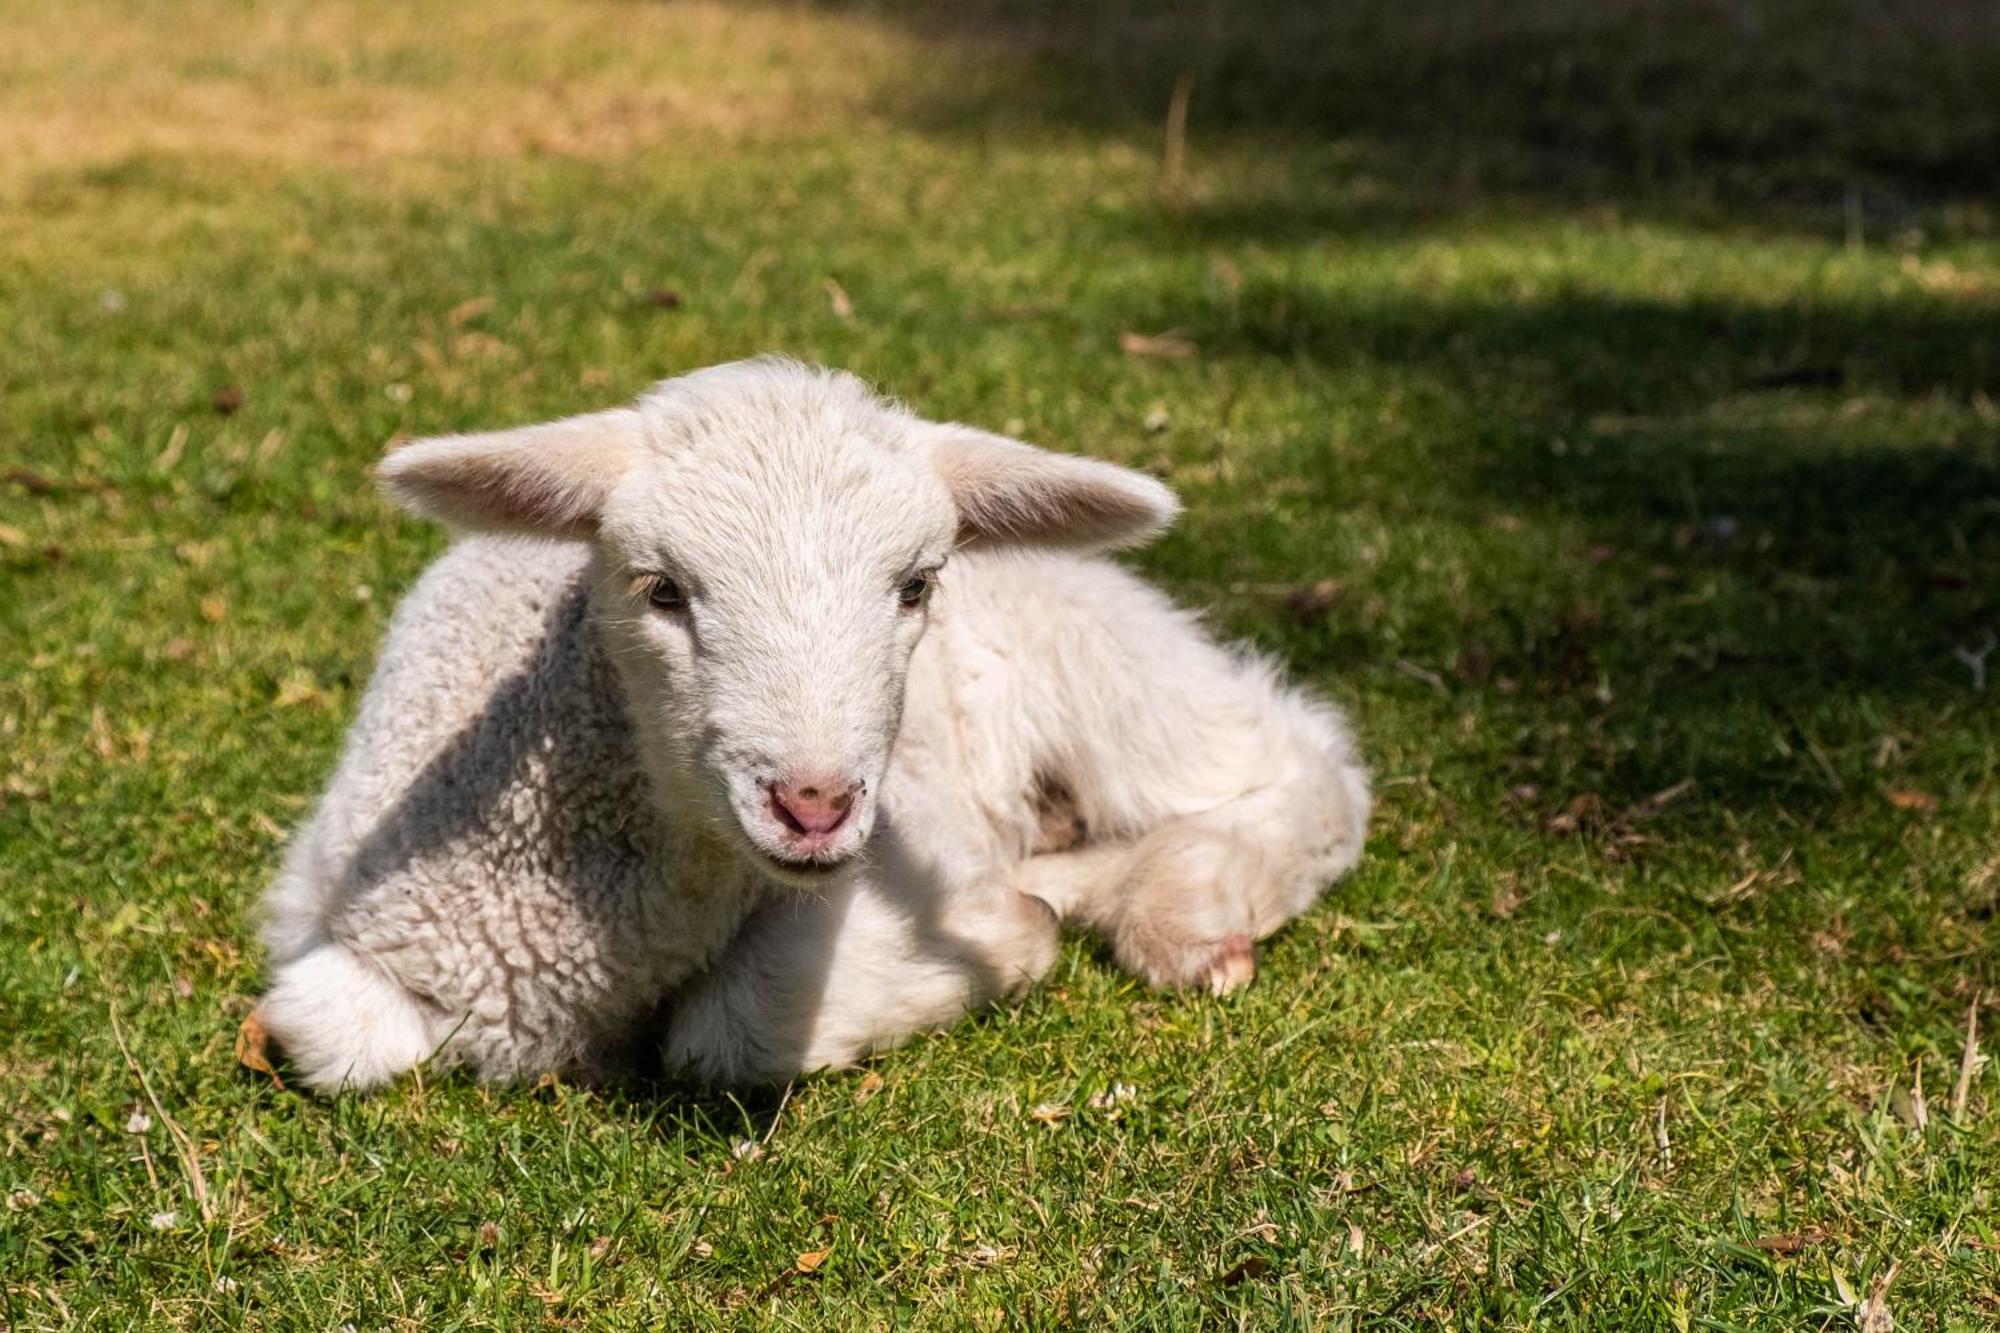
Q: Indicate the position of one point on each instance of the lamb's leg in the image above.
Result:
(821, 981)
(1182, 904)
(343, 1023)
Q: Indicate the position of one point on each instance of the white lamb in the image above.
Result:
(698, 715)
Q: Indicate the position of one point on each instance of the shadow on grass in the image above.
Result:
(1785, 519)
(1839, 111)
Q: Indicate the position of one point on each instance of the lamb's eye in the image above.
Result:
(666, 595)
(913, 592)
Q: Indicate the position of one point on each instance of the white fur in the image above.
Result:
(553, 810)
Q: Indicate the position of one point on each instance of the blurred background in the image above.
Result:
(1597, 398)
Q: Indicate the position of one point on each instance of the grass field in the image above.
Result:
(1598, 401)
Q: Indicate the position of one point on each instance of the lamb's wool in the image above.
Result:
(550, 813)
(489, 841)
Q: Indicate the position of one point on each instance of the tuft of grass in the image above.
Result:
(1647, 527)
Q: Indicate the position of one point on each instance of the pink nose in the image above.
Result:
(813, 809)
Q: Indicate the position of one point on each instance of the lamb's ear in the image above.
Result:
(1009, 493)
(550, 479)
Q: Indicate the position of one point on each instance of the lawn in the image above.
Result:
(1597, 401)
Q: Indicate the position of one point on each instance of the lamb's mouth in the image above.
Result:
(801, 872)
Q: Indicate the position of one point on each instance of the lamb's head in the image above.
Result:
(768, 540)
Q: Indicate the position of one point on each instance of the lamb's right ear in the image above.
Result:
(1010, 493)
(550, 479)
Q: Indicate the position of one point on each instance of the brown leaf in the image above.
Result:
(228, 400)
(1474, 666)
(1584, 809)
(1309, 601)
(12, 536)
(214, 609)
(253, 1047)
(810, 1261)
(1248, 1270)
(871, 1083)
(1169, 344)
(299, 687)
(1909, 798)
(1791, 1242)
(1049, 1113)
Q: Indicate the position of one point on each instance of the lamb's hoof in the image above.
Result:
(1233, 965)
(1215, 966)
(1037, 935)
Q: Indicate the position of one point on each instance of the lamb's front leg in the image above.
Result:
(344, 1023)
(821, 980)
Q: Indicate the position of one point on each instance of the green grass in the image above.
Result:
(1655, 503)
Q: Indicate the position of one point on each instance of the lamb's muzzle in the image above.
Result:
(814, 810)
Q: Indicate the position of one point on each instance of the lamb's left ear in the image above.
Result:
(1011, 493)
(550, 479)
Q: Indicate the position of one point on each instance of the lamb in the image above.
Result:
(737, 720)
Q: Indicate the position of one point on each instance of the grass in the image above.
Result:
(1638, 511)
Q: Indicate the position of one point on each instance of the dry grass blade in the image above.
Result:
(1422, 674)
(1874, 1315)
(1968, 1062)
(183, 1145)
(784, 1100)
(837, 297)
(165, 461)
(1170, 344)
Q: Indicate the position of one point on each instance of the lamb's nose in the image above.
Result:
(814, 808)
